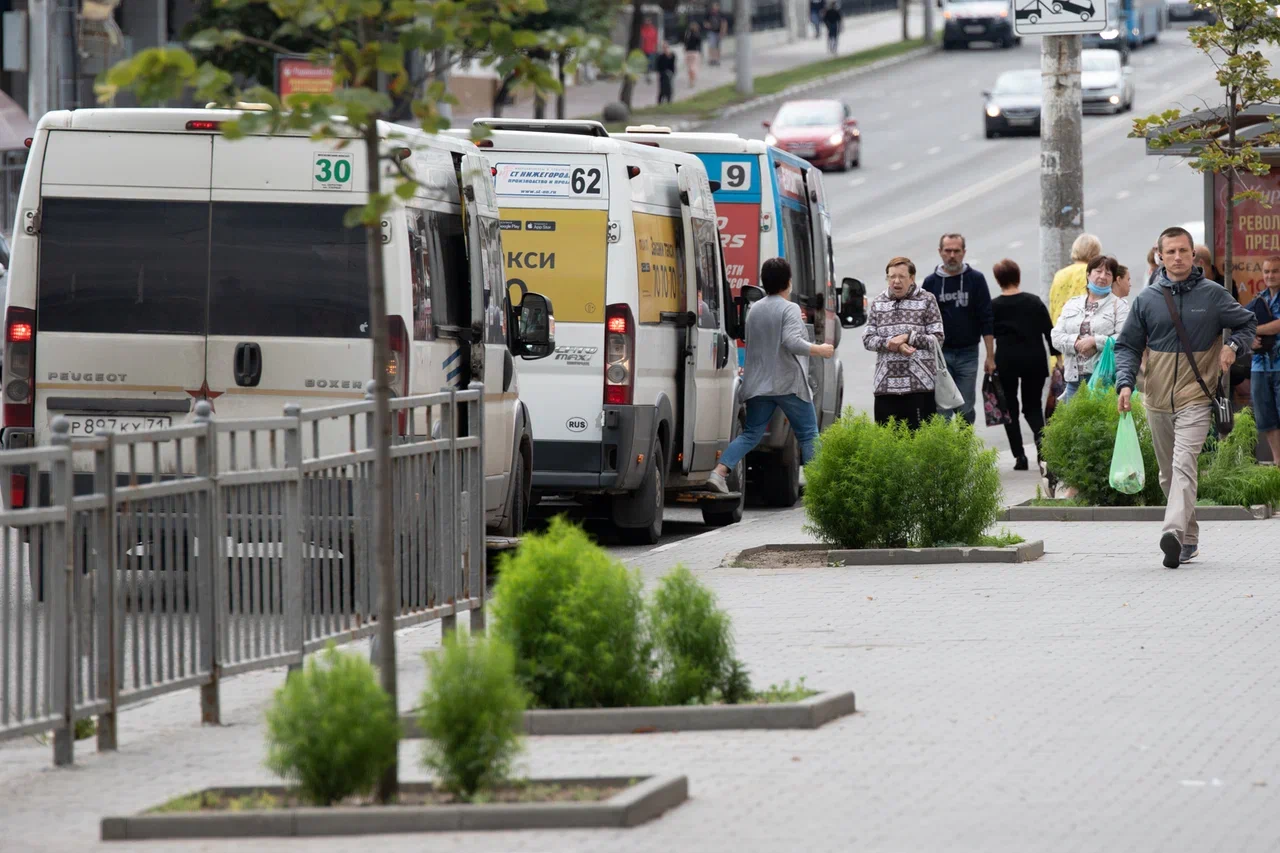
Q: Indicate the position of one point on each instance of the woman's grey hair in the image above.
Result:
(1085, 248)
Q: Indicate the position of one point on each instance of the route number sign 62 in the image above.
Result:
(331, 170)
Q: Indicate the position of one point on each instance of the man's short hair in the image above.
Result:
(901, 262)
(1175, 231)
(951, 236)
(1103, 261)
(1007, 273)
(775, 275)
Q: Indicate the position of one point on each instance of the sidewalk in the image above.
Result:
(587, 101)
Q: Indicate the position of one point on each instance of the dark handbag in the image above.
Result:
(993, 401)
(1057, 385)
(1223, 415)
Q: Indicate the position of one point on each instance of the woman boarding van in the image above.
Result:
(639, 400)
(772, 204)
(193, 267)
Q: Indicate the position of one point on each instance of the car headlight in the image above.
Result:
(770, 139)
(1108, 35)
(835, 138)
(1115, 99)
(993, 110)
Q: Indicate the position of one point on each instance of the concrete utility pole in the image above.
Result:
(742, 46)
(928, 20)
(39, 35)
(1061, 158)
(905, 6)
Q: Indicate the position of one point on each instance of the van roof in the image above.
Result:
(702, 143)
(519, 140)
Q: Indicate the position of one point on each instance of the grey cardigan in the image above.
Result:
(777, 361)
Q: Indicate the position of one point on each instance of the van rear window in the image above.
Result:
(123, 267)
(287, 270)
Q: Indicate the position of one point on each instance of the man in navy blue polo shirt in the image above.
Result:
(1265, 380)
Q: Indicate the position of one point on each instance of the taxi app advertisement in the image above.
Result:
(740, 235)
(560, 254)
(1256, 234)
(658, 265)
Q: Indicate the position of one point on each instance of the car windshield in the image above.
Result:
(809, 115)
(1103, 60)
(1018, 83)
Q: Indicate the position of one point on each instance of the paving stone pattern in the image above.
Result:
(1087, 701)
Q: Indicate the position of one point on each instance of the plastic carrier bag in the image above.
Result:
(1104, 375)
(1127, 473)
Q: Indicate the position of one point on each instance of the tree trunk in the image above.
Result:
(560, 96)
(1227, 259)
(633, 44)
(500, 97)
(906, 5)
(388, 594)
(539, 105)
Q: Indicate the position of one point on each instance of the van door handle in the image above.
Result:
(248, 365)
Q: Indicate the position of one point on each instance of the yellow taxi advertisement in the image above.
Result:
(560, 254)
(659, 266)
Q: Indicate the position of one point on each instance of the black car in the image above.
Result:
(1013, 105)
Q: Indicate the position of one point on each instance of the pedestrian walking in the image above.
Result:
(1023, 331)
(1264, 381)
(666, 66)
(815, 16)
(831, 17)
(1087, 322)
(1180, 320)
(904, 329)
(649, 46)
(1070, 281)
(965, 302)
(776, 372)
(716, 27)
(692, 52)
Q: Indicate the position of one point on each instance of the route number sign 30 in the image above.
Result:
(1059, 17)
(331, 170)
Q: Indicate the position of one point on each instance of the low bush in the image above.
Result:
(872, 486)
(471, 714)
(1077, 446)
(331, 729)
(1230, 475)
(693, 640)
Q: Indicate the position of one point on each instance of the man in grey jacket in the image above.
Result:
(1178, 409)
(776, 372)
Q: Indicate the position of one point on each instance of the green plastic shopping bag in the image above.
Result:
(1127, 473)
(1104, 375)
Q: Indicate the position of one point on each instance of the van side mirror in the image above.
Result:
(853, 303)
(767, 124)
(535, 326)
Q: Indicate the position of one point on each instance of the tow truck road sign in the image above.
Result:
(1059, 17)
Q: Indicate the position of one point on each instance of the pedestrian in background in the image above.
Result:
(1153, 264)
(1087, 322)
(693, 51)
(649, 46)
(1181, 379)
(904, 326)
(666, 65)
(1022, 331)
(1264, 384)
(965, 302)
(716, 27)
(815, 16)
(776, 372)
(1071, 281)
(1123, 285)
(831, 17)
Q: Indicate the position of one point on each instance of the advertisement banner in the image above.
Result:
(299, 76)
(740, 235)
(560, 254)
(660, 265)
(1256, 230)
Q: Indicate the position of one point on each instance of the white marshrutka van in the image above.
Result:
(639, 400)
(156, 263)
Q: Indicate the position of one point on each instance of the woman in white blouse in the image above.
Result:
(1086, 322)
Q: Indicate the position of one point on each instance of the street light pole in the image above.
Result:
(1061, 157)
(742, 46)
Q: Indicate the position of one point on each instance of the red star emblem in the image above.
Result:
(203, 393)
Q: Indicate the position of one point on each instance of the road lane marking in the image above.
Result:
(1122, 195)
(1016, 244)
(670, 545)
(896, 166)
(1152, 178)
(857, 182)
(934, 150)
(1092, 211)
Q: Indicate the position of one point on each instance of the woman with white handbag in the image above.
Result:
(904, 329)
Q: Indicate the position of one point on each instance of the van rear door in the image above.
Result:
(120, 305)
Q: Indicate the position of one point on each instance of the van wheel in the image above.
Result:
(645, 506)
(782, 487)
(518, 508)
(720, 513)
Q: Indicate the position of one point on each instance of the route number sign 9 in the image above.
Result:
(735, 176)
(331, 170)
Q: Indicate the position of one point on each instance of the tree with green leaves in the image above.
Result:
(1233, 42)
(369, 45)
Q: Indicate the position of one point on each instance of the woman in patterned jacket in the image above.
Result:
(900, 323)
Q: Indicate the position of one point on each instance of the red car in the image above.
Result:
(820, 131)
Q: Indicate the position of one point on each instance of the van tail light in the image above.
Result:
(398, 366)
(619, 355)
(19, 357)
(17, 491)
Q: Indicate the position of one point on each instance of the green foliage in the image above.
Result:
(575, 618)
(1003, 539)
(785, 692)
(471, 714)
(331, 729)
(694, 643)
(1077, 446)
(872, 486)
(1230, 475)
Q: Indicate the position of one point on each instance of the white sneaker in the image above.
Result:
(716, 481)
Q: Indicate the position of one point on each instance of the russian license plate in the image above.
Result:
(975, 29)
(85, 425)
(804, 150)
(1022, 122)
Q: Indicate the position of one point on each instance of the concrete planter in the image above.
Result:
(1026, 512)
(644, 800)
(823, 555)
(808, 713)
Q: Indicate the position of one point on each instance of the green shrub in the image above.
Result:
(574, 617)
(1077, 446)
(872, 486)
(471, 714)
(1230, 475)
(331, 729)
(694, 643)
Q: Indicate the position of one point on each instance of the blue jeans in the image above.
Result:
(962, 364)
(1265, 388)
(801, 414)
(1073, 387)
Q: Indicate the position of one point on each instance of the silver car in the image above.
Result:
(1107, 83)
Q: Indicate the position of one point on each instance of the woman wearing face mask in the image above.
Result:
(1086, 322)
